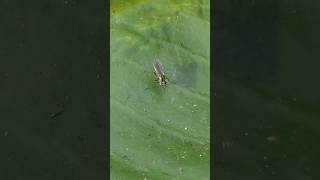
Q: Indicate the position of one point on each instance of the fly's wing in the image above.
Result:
(158, 68)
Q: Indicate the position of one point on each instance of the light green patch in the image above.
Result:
(159, 133)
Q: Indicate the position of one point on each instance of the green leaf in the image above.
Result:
(160, 133)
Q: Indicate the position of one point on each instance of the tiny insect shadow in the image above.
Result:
(153, 85)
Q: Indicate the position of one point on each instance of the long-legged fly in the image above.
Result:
(159, 73)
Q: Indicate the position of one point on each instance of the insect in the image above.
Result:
(159, 73)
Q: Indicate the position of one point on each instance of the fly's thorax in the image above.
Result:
(162, 83)
(162, 80)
